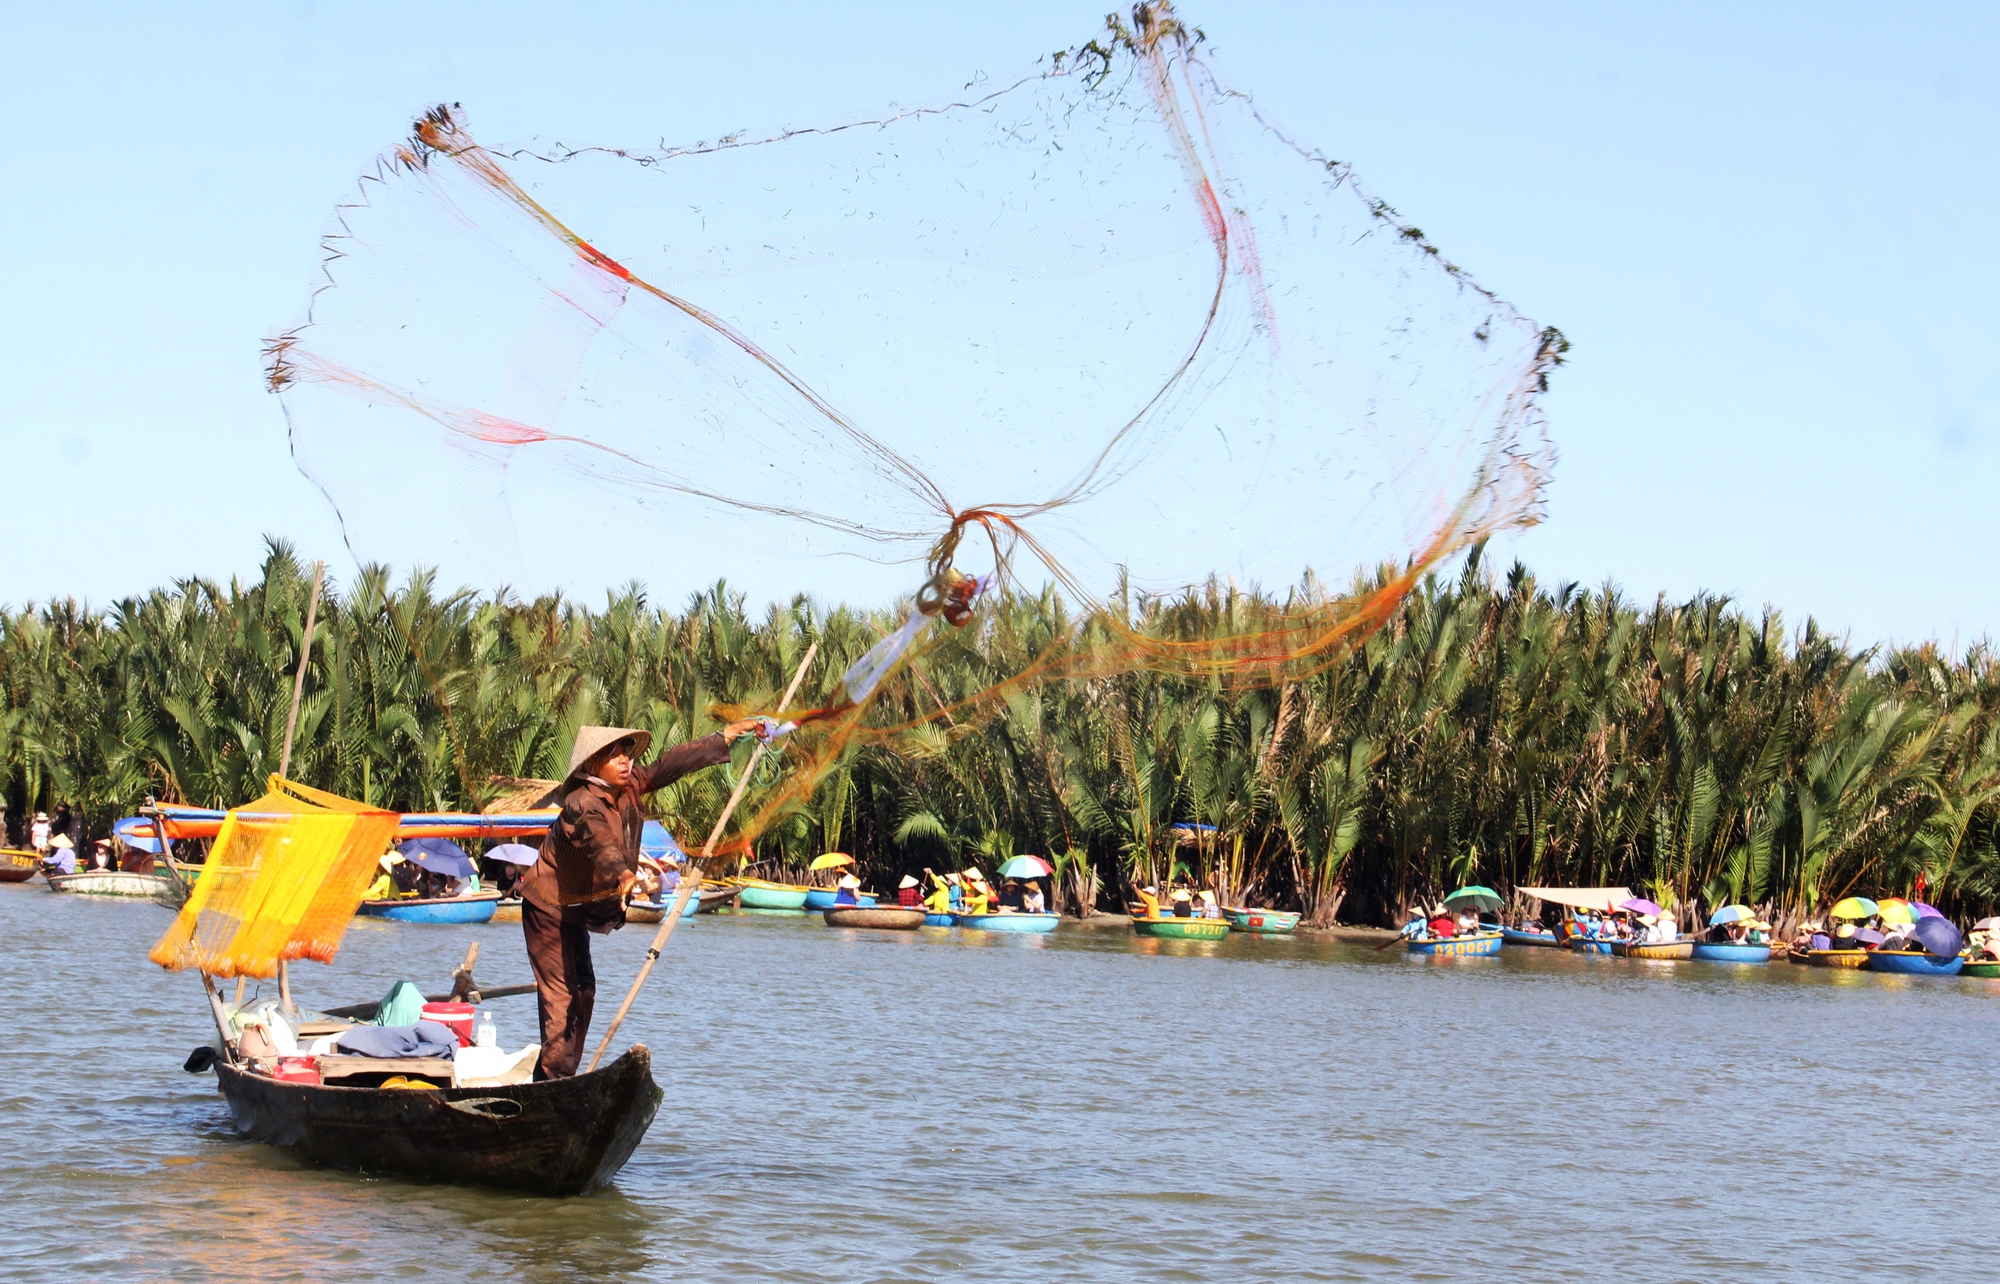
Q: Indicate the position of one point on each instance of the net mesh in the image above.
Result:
(282, 881)
(1102, 323)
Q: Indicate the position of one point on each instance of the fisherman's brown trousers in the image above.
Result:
(565, 985)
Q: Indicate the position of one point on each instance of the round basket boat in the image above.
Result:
(1182, 929)
(882, 918)
(1478, 945)
(1515, 936)
(1590, 945)
(1838, 958)
(761, 895)
(1731, 952)
(1913, 963)
(439, 909)
(1260, 922)
(1988, 969)
(1667, 950)
(1032, 923)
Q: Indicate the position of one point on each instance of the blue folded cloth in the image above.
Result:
(424, 1039)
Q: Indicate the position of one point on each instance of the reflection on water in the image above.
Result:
(847, 1105)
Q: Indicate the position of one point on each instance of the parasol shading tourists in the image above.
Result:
(589, 861)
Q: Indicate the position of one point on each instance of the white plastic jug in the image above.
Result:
(486, 1036)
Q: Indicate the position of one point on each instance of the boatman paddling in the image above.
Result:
(589, 861)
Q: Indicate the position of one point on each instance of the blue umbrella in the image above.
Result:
(655, 841)
(1939, 935)
(437, 855)
(128, 833)
(515, 853)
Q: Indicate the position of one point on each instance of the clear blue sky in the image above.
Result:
(1768, 230)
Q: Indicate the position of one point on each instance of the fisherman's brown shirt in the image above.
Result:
(594, 843)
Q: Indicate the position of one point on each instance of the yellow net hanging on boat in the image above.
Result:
(283, 880)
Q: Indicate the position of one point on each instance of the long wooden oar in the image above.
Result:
(691, 877)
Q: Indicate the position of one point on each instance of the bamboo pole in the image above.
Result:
(691, 877)
(291, 729)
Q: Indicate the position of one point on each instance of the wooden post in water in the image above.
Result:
(285, 756)
(691, 877)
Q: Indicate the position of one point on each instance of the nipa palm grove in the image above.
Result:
(1494, 731)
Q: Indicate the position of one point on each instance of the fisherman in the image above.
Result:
(848, 891)
(977, 899)
(906, 893)
(1183, 903)
(939, 901)
(1149, 901)
(590, 859)
(1032, 901)
(60, 854)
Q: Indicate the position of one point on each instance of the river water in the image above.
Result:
(1084, 1106)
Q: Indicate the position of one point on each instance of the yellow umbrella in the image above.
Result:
(832, 860)
(1895, 911)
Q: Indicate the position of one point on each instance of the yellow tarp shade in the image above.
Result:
(282, 881)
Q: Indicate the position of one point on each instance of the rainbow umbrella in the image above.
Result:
(1731, 914)
(1027, 867)
(1856, 908)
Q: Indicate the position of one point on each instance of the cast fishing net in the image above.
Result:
(282, 882)
(1100, 324)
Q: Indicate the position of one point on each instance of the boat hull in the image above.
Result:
(1589, 945)
(651, 912)
(445, 909)
(937, 920)
(1515, 936)
(562, 1137)
(1478, 946)
(1178, 929)
(1031, 923)
(772, 896)
(17, 866)
(1261, 922)
(506, 912)
(882, 918)
(109, 882)
(1731, 952)
(1837, 958)
(1988, 970)
(1913, 963)
(1664, 950)
(822, 898)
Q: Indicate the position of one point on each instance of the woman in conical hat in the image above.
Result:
(589, 862)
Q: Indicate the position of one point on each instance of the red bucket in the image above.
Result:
(458, 1016)
(297, 1070)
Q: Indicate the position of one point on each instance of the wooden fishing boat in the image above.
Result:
(715, 896)
(758, 894)
(1168, 927)
(1591, 945)
(560, 1137)
(1731, 952)
(1018, 922)
(654, 911)
(1987, 969)
(1913, 963)
(477, 908)
(1517, 936)
(112, 882)
(1798, 954)
(17, 866)
(1667, 950)
(822, 898)
(1260, 922)
(1837, 958)
(886, 918)
(1478, 945)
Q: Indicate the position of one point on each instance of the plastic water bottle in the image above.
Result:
(486, 1036)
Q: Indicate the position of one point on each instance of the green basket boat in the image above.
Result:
(759, 894)
(1990, 969)
(1182, 929)
(1260, 922)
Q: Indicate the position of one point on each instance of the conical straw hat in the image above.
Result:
(590, 741)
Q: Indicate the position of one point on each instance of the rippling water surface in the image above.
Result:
(1086, 1106)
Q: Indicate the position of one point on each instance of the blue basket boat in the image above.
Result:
(1590, 945)
(1477, 946)
(1515, 936)
(821, 898)
(444, 909)
(1008, 922)
(1913, 963)
(937, 920)
(1731, 952)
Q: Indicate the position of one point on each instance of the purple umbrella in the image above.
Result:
(1940, 937)
(437, 855)
(1640, 905)
(1926, 911)
(514, 853)
(1869, 936)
